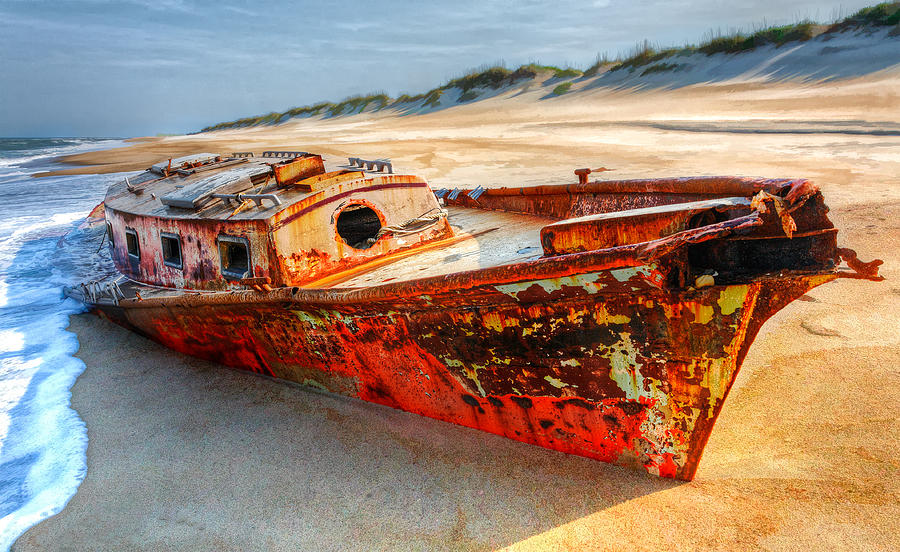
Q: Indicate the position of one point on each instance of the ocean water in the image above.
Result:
(42, 249)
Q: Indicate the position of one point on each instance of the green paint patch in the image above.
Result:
(471, 373)
(586, 281)
(732, 298)
(559, 384)
(308, 318)
(625, 274)
(624, 367)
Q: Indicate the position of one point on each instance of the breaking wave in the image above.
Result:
(42, 440)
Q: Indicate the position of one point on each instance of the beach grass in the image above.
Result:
(358, 104)
(880, 15)
(558, 72)
(562, 88)
(660, 68)
(778, 36)
(886, 14)
(487, 77)
(602, 62)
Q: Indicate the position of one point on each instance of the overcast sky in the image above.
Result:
(141, 67)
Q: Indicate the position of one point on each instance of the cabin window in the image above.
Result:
(234, 255)
(109, 235)
(358, 225)
(131, 243)
(171, 249)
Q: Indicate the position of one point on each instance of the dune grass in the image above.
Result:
(562, 88)
(885, 14)
(644, 55)
(358, 104)
(602, 62)
(558, 72)
(660, 68)
(880, 15)
(487, 76)
(433, 98)
(739, 42)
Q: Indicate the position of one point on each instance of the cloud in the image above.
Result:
(242, 11)
(174, 56)
(357, 25)
(171, 6)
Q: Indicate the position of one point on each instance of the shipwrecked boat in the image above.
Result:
(603, 318)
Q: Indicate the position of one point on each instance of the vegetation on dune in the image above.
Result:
(433, 98)
(558, 72)
(660, 67)
(358, 104)
(562, 88)
(270, 118)
(602, 62)
(880, 15)
(488, 77)
(566, 73)
(406, 98)
(498, 76)
(644, 55)
(778, 36)
(309, 110)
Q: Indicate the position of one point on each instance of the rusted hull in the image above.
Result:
(602, 364)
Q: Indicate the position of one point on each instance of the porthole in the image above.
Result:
(171, 249)
(234, 256)
(358, 226)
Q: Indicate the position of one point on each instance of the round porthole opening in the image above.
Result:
(358, 226)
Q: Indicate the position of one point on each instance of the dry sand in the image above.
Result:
(190, 456)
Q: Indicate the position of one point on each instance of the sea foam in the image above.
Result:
(42, 440)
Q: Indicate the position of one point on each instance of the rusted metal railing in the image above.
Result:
(240, 198)
(378, 165)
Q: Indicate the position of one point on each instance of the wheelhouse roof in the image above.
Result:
(190, 195)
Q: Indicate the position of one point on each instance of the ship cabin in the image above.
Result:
(215, 222)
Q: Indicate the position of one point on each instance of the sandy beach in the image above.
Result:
(186, 455)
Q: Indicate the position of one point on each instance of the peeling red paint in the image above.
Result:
(419, 360)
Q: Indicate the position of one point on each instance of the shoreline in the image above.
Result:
(188, 455)
(91, 164)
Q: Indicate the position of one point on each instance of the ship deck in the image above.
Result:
(483, 239)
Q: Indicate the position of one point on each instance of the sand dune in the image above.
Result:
(186, 455)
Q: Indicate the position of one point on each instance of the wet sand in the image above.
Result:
(190, 456)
